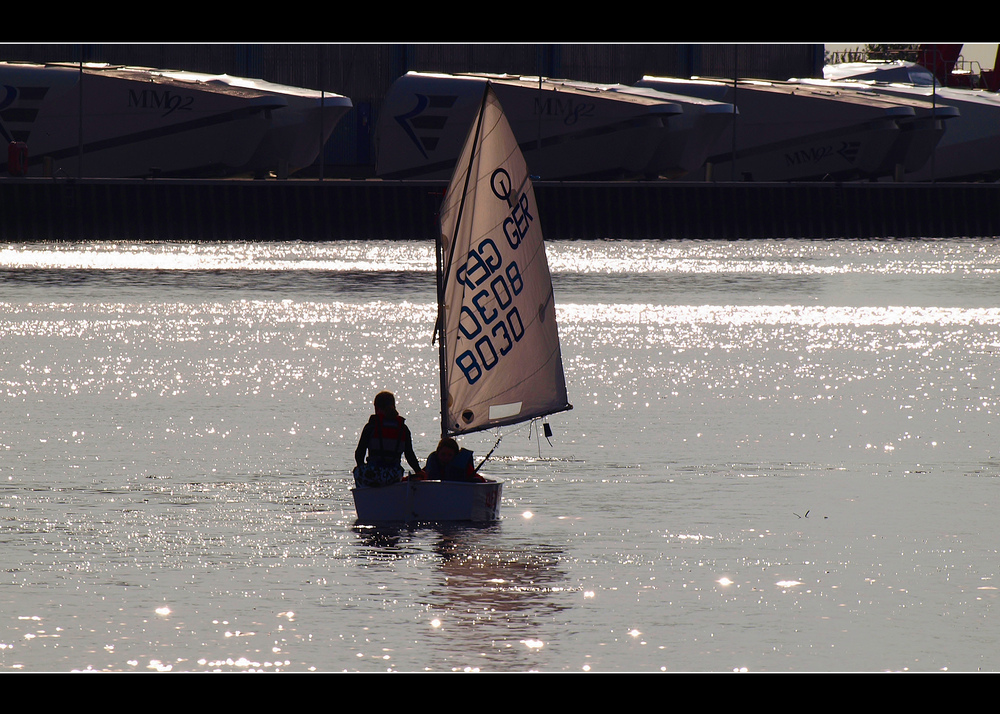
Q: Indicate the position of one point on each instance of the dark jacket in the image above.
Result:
(459, 468)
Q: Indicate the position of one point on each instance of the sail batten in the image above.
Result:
(500, 357)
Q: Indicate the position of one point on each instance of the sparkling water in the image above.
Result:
(782, 457)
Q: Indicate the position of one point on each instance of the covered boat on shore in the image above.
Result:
(691, 133)
(298, 130)
(970, 147)
(106, 121)
(564, 129)
(790, 131)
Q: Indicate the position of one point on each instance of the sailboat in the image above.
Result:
(496, 330)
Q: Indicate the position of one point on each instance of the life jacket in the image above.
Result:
(459, 468)
(387, 441)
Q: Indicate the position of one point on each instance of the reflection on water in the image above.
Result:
(781, 457)
(481, 602)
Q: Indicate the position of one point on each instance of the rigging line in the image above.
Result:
(538, 442)
(500, 435)
(486, 458)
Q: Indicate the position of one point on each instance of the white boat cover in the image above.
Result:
(500, 357)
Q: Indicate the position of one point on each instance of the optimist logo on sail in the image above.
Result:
(490, 319)
(516, 225)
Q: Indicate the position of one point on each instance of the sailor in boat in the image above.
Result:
(384, 439)
(450, 463)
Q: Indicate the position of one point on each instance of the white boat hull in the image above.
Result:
(410, 501)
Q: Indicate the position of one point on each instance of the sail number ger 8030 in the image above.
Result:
(492, 322)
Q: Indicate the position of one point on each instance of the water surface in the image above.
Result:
(782, 457)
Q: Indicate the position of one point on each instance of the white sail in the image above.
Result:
(500, 357)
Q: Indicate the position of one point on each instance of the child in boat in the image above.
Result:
(450, 463)
(385, 439)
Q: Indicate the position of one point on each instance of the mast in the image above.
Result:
(443, 269)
